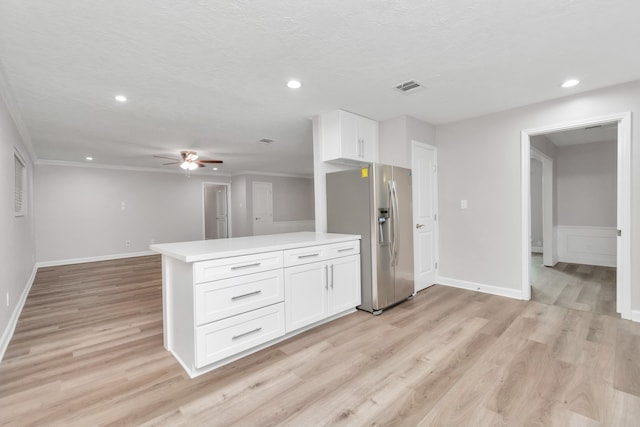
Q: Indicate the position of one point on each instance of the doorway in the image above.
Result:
(262, 207)
(425, 208)
(623, 206)
(216, 206)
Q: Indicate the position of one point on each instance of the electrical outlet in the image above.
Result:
(127, 243)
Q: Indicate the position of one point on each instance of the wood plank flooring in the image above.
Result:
(577, 286)
(88, 351)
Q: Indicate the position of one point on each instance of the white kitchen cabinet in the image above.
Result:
(321, 289)
(224, 299)
(348, 138)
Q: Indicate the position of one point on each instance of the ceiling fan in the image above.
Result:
(190, 161)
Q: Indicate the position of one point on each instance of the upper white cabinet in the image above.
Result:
(348, 138)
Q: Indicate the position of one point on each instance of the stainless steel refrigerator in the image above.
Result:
(375, 202)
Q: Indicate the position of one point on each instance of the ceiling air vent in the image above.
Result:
(409, 86)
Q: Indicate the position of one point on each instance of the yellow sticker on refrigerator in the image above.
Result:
(365, 172)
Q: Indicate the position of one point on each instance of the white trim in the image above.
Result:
(13, 320)
(549, 243)
(65, 163)
(93, 259)
(623, 286)
(479, 287)
(285, 175)
(635, 315)
(587, 245)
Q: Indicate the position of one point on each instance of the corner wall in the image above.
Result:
(17, 241)
(479, 160)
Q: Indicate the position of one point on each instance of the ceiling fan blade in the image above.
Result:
(168, 158)
(209, 161)
(200, 165)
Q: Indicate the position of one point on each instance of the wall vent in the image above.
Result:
(409, 86)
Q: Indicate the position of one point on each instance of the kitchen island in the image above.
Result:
(226, 298)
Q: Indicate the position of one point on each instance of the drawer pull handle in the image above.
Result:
(239, 267)
(345, 249)
(250, 294)
(307, 256)
(235, 337)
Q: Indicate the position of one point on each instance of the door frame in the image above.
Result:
(623, 242)
(436, 222)
(204, 185)
(549, 244)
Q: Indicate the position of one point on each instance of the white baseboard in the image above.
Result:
(587, 245)
(93, 259)
(536, 249)
(480, 287)
(635, 315)
(13, 320)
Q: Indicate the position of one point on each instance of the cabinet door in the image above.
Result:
(368, 139)
(344, 284)
(349, 137)
(305, 288)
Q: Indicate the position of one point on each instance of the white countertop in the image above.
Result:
(202, 250)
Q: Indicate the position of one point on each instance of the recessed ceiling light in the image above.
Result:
(89, 158)
(570, 83)
(121, 98)
(215, 169)
(294, 84)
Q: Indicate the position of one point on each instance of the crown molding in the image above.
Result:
(64, 163)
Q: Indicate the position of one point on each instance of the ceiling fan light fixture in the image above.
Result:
(188, 165)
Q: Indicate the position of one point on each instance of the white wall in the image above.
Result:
(293, 203)
(587, 184)
(396, 136)
(17, 234)
(536, 205)
(79, 211)
(479, 160)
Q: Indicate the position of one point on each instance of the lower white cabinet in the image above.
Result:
(221, 305)
(317, 290)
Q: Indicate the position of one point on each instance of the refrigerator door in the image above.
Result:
(383, 289)
(350, 211)
(403, 262)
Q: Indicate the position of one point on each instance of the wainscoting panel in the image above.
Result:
(587, 245)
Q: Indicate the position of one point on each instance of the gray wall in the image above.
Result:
(536, 203)
(544, 145)
(17, 235)
(396, 136)
(479, 160)
(293, 200)
(79, 210)
(587, 184)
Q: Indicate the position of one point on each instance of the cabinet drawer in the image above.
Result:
(224, 268)
(305, 255)
(225, 298)
(224, 338)
(320, 253)
(336, 250)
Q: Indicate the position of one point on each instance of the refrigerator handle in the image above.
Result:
(396, 231)
(392, 223)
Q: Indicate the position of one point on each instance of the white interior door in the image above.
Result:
(221, 213)
(262, 197)
(425, 241)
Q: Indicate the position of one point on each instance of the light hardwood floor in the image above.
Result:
(88, 351)
(581, 287)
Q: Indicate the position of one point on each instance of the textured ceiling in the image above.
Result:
(210, 75)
